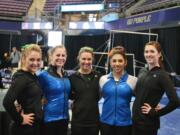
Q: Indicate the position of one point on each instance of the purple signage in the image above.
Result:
(5, 25)
(146, 20)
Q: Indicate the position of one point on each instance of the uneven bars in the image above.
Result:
(137, 61)
(99, 66)
(100, 52)
(108, 53)
(132, 32)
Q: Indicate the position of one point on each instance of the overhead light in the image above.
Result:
(82, 7)
(37, 25)
(86, 25)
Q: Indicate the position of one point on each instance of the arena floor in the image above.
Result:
(170, 123)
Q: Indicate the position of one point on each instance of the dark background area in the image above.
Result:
(169, 39)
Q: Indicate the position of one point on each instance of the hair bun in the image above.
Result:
(120, 48)
(117, 50)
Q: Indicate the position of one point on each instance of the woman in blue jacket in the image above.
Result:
(56, 89)
(117, 89)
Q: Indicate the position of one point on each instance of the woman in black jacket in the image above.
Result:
(150, 87)
(26, 90)
(85, 94)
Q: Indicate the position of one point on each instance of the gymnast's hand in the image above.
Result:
(28, 119)
(158, 107)
(146, 108)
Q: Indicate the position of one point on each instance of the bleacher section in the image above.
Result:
(14, 8)
(19, 8)
(151, 5)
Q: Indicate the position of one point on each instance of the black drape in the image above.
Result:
(132, 43)
(169, 39)
(170, 42)
(74, 43)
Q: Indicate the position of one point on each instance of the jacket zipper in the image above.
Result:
(115, 101)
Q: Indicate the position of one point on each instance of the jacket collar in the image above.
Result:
(53, 71)
(122, 78)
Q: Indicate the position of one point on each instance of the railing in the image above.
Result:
(155, 4)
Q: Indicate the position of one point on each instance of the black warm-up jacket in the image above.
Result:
(26, 90)
(85, 93)
(149, 89)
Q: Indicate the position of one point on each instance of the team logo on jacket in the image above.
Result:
(154, 75)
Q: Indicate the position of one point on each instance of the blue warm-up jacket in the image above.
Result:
(117, 97)
(56, 91)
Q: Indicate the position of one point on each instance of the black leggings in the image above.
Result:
(59, 127)
(78, 130)
(139, 131)
(115, 130)
(25, 129)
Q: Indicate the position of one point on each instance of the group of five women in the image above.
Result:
(52, 88)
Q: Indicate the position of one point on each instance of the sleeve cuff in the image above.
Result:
(152, 112)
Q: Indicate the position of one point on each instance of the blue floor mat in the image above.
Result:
(170, 123)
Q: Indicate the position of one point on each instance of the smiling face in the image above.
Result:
(151, 55)
(85, 61)
(118, 63)
(32, 62)
(58, 57)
